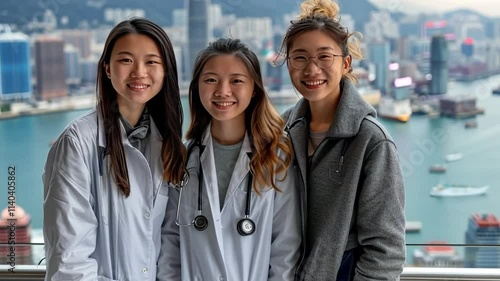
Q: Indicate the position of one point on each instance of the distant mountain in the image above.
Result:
(160, 11)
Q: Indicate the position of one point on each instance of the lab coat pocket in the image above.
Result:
(259, 201)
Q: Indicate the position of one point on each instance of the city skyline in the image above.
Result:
(440, 6)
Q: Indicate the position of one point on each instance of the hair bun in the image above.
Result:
(327, 8)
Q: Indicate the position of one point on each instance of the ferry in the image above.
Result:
(437, 168)
(453, 157)
(457, 190)
(413, 226)
(399, 110)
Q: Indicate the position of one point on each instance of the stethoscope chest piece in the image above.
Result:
(245, 227)
(200, 223)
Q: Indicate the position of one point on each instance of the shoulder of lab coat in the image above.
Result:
(69, 225)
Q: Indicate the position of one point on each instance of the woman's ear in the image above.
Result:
(106, 69)
(347, 64)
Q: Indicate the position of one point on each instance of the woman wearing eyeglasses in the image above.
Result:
(352, 188)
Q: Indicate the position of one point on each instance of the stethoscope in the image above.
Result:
(245, 226)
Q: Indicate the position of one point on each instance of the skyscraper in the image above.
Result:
(439, 66)
(198, 31)
(379, 56)
(72, 61)
(79, 39)
(482, 229)
(15, 66)
(50, 67)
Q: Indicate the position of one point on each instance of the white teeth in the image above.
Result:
(314, 83)
(138, 86)
(223, 103)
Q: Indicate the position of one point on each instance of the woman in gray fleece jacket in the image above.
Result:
(352, 191)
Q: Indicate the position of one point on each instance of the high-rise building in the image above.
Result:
(88, 70)
(482, 229)
(50, 67)
(15, 66)
(379, 53)
(72, 61)
(439, 66)
(80, 39)
(198, 30)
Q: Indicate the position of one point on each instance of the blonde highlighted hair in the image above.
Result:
(323, 15)
(272, 151)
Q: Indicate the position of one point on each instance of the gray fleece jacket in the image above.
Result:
(352, 193)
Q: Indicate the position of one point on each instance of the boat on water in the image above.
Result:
(437, 168)
(399, 110)
(470, 124)
(413, 226)
(457, 190)
(453, 157)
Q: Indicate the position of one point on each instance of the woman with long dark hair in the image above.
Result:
(106, 176)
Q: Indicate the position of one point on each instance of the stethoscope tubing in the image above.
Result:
(245, 226)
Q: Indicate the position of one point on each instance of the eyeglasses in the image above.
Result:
(323, 60)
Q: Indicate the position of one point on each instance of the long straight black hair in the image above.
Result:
(165, 107)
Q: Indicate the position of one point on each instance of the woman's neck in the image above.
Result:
(226, 133)
(322, 114)
(132, 115)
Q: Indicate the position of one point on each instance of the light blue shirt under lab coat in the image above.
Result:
(91, 230)
(219, 252)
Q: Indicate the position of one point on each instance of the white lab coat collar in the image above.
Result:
(155, 143)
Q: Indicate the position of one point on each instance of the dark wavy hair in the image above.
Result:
(165, 107)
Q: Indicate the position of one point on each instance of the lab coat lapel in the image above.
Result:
(210, 186)
(156, 156)
(241, 169)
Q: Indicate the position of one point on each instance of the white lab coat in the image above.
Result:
(91, 230)
(219, 252)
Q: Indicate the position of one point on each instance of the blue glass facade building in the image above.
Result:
(15, 67)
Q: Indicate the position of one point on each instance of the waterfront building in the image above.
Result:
(437, 256)
(482, 229)
(459, 106)
(198, 31)
(15, 66)
(50, 68)
(439, 66)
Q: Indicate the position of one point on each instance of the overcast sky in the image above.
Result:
(487, 7)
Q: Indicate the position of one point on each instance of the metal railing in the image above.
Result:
(34, 272)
